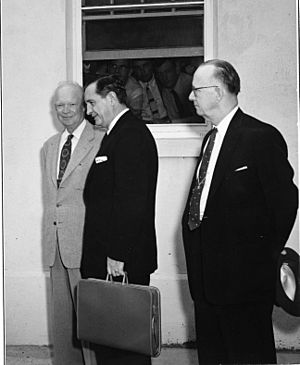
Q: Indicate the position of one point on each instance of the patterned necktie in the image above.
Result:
(194, 213)
(64, 158)
(152, 103)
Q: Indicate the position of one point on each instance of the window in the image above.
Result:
(130, 29)
(127, 36)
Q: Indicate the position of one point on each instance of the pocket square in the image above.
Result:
(100, 159)
(241, 168)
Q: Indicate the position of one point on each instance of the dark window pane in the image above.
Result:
(157, 32)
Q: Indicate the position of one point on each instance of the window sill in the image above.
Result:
(179, 140)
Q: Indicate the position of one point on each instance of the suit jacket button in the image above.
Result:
(54, 223)
(58, 205)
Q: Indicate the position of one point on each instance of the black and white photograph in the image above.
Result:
(150, 176)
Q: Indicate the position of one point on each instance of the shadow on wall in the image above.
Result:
(286, 323)
(184, 293)
(185, 299)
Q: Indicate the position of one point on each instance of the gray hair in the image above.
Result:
(71, 84)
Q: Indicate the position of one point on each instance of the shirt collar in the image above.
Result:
(114, 121)
(223, 125)
(77, 132)
(148, 83)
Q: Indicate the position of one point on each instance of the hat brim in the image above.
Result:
(290, 258)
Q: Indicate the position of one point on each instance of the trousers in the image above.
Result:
(235, 334)
(67, 349)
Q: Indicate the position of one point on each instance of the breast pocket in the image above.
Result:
(102, 173)
(240, 182)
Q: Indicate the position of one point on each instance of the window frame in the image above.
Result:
(165, 52)
(173, 140)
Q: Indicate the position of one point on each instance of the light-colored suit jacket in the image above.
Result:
(64, 208)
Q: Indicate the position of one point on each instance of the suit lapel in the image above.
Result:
(84, 145)
(227, 148)
(54, 158)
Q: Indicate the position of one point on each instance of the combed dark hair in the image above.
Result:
(108, 83)
(226, 73)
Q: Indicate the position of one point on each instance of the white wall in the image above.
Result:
(33, 33)
(259, 41)
(259, 38)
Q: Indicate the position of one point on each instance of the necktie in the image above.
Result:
(194, 213)
(64, 158)
(178, 103)
(152, 103)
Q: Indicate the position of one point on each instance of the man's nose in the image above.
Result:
(66, 108)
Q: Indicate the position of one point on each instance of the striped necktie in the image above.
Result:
(152, 103)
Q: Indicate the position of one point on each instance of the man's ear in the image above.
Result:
(112, 97)
(219, 93)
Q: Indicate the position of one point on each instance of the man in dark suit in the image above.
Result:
(240, 211)
(119, 232)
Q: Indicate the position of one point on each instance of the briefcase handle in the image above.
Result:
(109, 277)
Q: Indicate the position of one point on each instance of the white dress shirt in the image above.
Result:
(76, 135)
(221, 131)
(114, 121)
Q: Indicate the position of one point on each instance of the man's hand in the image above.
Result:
(115, 268)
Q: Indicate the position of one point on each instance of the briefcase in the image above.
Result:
(119, 315)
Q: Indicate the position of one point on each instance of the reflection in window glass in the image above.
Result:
(154, 49)
(157, 89)
(162, 32)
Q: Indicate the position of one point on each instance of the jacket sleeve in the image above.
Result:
(276, 176)
(132, 161)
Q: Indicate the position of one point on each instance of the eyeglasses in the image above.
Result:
(194, 89)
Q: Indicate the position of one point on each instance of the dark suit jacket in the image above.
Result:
(120, 202)
(249, 214)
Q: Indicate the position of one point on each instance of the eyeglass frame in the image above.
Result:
(194, 89)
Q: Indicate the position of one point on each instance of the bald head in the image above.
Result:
(72, 87)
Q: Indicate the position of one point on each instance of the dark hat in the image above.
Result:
(288, 282)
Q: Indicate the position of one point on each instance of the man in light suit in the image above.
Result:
(119, 231)
(63, 183)
(237, 225)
